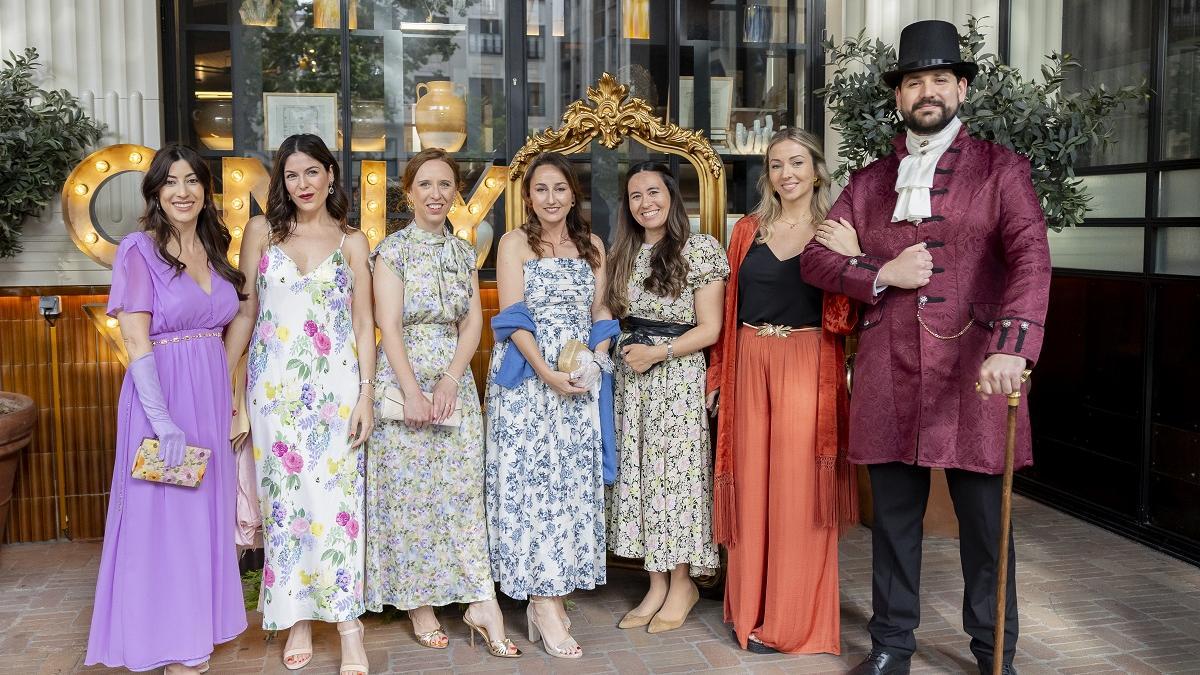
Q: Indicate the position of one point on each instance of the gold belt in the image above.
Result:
(182, 338)
(771, 330)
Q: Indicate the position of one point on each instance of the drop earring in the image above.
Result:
(330, 189)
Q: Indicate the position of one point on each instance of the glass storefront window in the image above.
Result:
(1120, 195)
(1177, 194)
(365, 74)
(746, 61)
(1112, 39)
(1181, 97)
(1113, 249)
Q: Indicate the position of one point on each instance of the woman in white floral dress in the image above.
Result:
(667, 285)
(426, 533)
(309, 306)
(545, 490)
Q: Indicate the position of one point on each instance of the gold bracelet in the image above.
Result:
(453, 379)
(363, 393)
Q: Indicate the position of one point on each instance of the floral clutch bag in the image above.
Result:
(147, 465)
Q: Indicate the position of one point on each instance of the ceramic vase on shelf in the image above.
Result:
(369, 125)
(213, 121)
(441, 116)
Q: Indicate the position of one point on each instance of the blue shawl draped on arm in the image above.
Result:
(515, 369)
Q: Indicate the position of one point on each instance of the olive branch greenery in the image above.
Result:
(43, 135)
(1041, 120)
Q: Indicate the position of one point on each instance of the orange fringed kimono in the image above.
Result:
(800, 613)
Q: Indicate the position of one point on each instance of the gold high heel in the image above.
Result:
(567, 649)
(504, 649)
(433, 637)
(659, 625)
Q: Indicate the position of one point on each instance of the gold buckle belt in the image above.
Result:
(182, 338)
(771, 330)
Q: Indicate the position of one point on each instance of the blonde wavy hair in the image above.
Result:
(769, 208)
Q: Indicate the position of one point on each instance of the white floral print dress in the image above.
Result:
(544, 476)
(426, 533)
(302, 383)
(660, 508)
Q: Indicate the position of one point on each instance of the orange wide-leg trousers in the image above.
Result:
(782, 575)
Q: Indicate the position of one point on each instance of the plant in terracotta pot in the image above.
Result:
(18, 415)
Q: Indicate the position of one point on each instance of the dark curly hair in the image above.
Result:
(281, 210)
(210, 229)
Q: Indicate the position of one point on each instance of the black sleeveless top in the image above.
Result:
(770, 291)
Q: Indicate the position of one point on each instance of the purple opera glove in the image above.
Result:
(171, 444)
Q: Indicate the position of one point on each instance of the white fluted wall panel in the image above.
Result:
(106, 52)
(884, 19)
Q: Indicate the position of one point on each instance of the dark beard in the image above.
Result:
(911, 122)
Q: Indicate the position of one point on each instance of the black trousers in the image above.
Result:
(901, 493)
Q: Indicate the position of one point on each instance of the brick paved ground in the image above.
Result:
(1091, 602)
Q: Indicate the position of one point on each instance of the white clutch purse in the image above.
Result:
(392, 407)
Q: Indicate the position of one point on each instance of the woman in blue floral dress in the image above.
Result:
(309, 307)
(426, 533)
(545, 491)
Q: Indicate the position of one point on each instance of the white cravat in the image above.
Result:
(916, 172)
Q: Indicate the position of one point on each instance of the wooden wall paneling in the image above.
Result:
(90, 384)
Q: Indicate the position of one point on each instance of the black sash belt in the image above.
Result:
(642, 330)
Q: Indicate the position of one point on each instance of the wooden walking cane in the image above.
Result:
(1010, 442)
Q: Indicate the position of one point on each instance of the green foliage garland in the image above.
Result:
(1037, 119)
(43, 135)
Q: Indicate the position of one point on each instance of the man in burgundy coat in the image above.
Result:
(955, 281)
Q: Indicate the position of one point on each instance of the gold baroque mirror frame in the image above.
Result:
(610, 118)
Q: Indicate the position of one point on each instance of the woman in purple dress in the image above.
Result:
(169, 589)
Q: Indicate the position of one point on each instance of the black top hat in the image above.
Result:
(928, 45)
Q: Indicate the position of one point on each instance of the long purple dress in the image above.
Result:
(168, 588)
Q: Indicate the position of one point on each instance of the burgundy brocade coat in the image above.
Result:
(914, 394)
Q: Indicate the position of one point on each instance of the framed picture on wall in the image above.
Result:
(720, 103)
(290, 113)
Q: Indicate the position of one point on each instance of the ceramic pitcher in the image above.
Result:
(441, 116)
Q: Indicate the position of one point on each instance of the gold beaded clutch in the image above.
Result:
(574, 355)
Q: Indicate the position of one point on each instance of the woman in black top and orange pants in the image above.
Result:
(777, 374)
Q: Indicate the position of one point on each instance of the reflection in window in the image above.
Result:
(1111, 38)
(1181, 97)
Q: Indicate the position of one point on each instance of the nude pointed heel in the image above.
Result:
(660, 625)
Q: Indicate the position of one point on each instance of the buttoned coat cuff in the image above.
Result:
(1017, 336)
(859, 277)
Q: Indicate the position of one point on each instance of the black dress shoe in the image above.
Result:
(881, 663)
(986, 669)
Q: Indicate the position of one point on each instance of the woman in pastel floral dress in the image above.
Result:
(426, 532)
(545, 490)
(310, 411)
(668, 286)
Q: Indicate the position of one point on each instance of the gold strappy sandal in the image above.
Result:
(504, 649)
